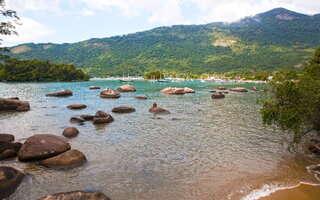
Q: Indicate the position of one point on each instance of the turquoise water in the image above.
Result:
(217, 149)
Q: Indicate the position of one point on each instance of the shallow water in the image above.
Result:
(218, 149)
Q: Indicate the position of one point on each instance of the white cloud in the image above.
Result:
(29, 31)
(19, 5)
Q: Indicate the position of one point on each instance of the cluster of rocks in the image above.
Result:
(14, 104)
(8, 148)
(174, 90)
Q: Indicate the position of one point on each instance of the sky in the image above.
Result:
(68, 21)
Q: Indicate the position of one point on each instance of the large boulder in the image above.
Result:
(126, 88)
(4, 137)
(109, 93)
(123, 109)
(239, 89)
(42, 146)
(157, 110)
(94, 87)
(62, 93)
(10, 179)
(76, 195)
(8, 145)
(189, 90)
(68, 159)
(11, 104)
(76, 106)
(217, 95)
(70, 132)
(102, 117)
(173, 90)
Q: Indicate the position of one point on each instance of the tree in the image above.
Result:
(154, 75)
(294, 102)
(7, 28)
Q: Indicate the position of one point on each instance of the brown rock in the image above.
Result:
(76, 195)
(8, 145)
(14, 98)
(222, 88)
(102, 118)
(62, 93)
(10, 104)
(140, 97)
(76, 106)
(123, 109)
(109, 93)
(42, 146)
(68, 159)
(4, 137)
(217, 95)
(8, 154)
(87, 117)
(156, 110)
(94, 87)
(188, 90)
(173, 90)
(255, 88)
(239, 89)
(70, 132)
(126, 88)
(76, 120)
(10, 180)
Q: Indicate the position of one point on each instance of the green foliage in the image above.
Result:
(294, 104)
(154, 75)
(36, 70)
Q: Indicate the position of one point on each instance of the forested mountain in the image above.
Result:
(277, 39)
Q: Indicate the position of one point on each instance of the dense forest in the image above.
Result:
(277, 39)
(35, 70)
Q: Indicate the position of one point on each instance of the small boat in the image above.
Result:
(163, 81)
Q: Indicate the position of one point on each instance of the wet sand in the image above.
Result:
(301, 192)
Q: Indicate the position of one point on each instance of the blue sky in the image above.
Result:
(67, 21)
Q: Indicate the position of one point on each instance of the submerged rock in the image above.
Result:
(123, 109)
(10, 180)
(42, 146)
(102, 117)
(239, 89)
(255, 89)
(62, 93)
(217, 95)
(76, 106)
(140, 97)
(68, 159)
(76, 195)
(94, 87)
(126, 88)
(222, 88)
(157, 110)
(173, 90)
(4, 137)
(70, 132)
(76, 120)
(87, 117)
(109, 93)
(11, 104)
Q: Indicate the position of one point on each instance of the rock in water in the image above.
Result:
(109, 93)
(255, 88)
(4, 137)
(70, 132)
(42, 146)
(76, 106)
(126, 88)
(10, 179)
(87, 117)
(62, 93)
(217, 95)
(123, 109)
(68, 159)
(188, 90)
(222, 88)
(140, 97)
(10, 104)
(156, 110)
(173, 90)
(76, 120)
(94, 87)
(102, 118)
(76, 195)
(239, 89)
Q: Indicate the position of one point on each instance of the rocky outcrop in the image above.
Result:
(76, 195)
(109, 93)
(140, 97)
(68, 159)
(62, 93)
(157, 110)
(173, 90)
(11, 104)
(123, 109)
(222, 88)
(217, 95)
(102, 117)
(239, 89)
(87, 117)
(42, 146)
(126, 88)
(10, 180)
(4, 137)
(188, 90)
(76, 106)
(94, 87)
(70, 132)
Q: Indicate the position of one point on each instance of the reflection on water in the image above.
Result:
(217, 149)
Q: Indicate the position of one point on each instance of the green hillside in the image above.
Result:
(277, 39)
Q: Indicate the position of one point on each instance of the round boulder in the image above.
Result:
(70, 132)
(126, 88)
(157, 110)
(68, 159)
(4, 137)
(11, 104)
(79, 195)
(102, 117)
(76, 106)
(173, 90)
(217, 95)
(94, 87)
(10, 179)
(42, 146)
(109, 93)
(188, 90)
(123, 109)
(239, 89)
(62, 93)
